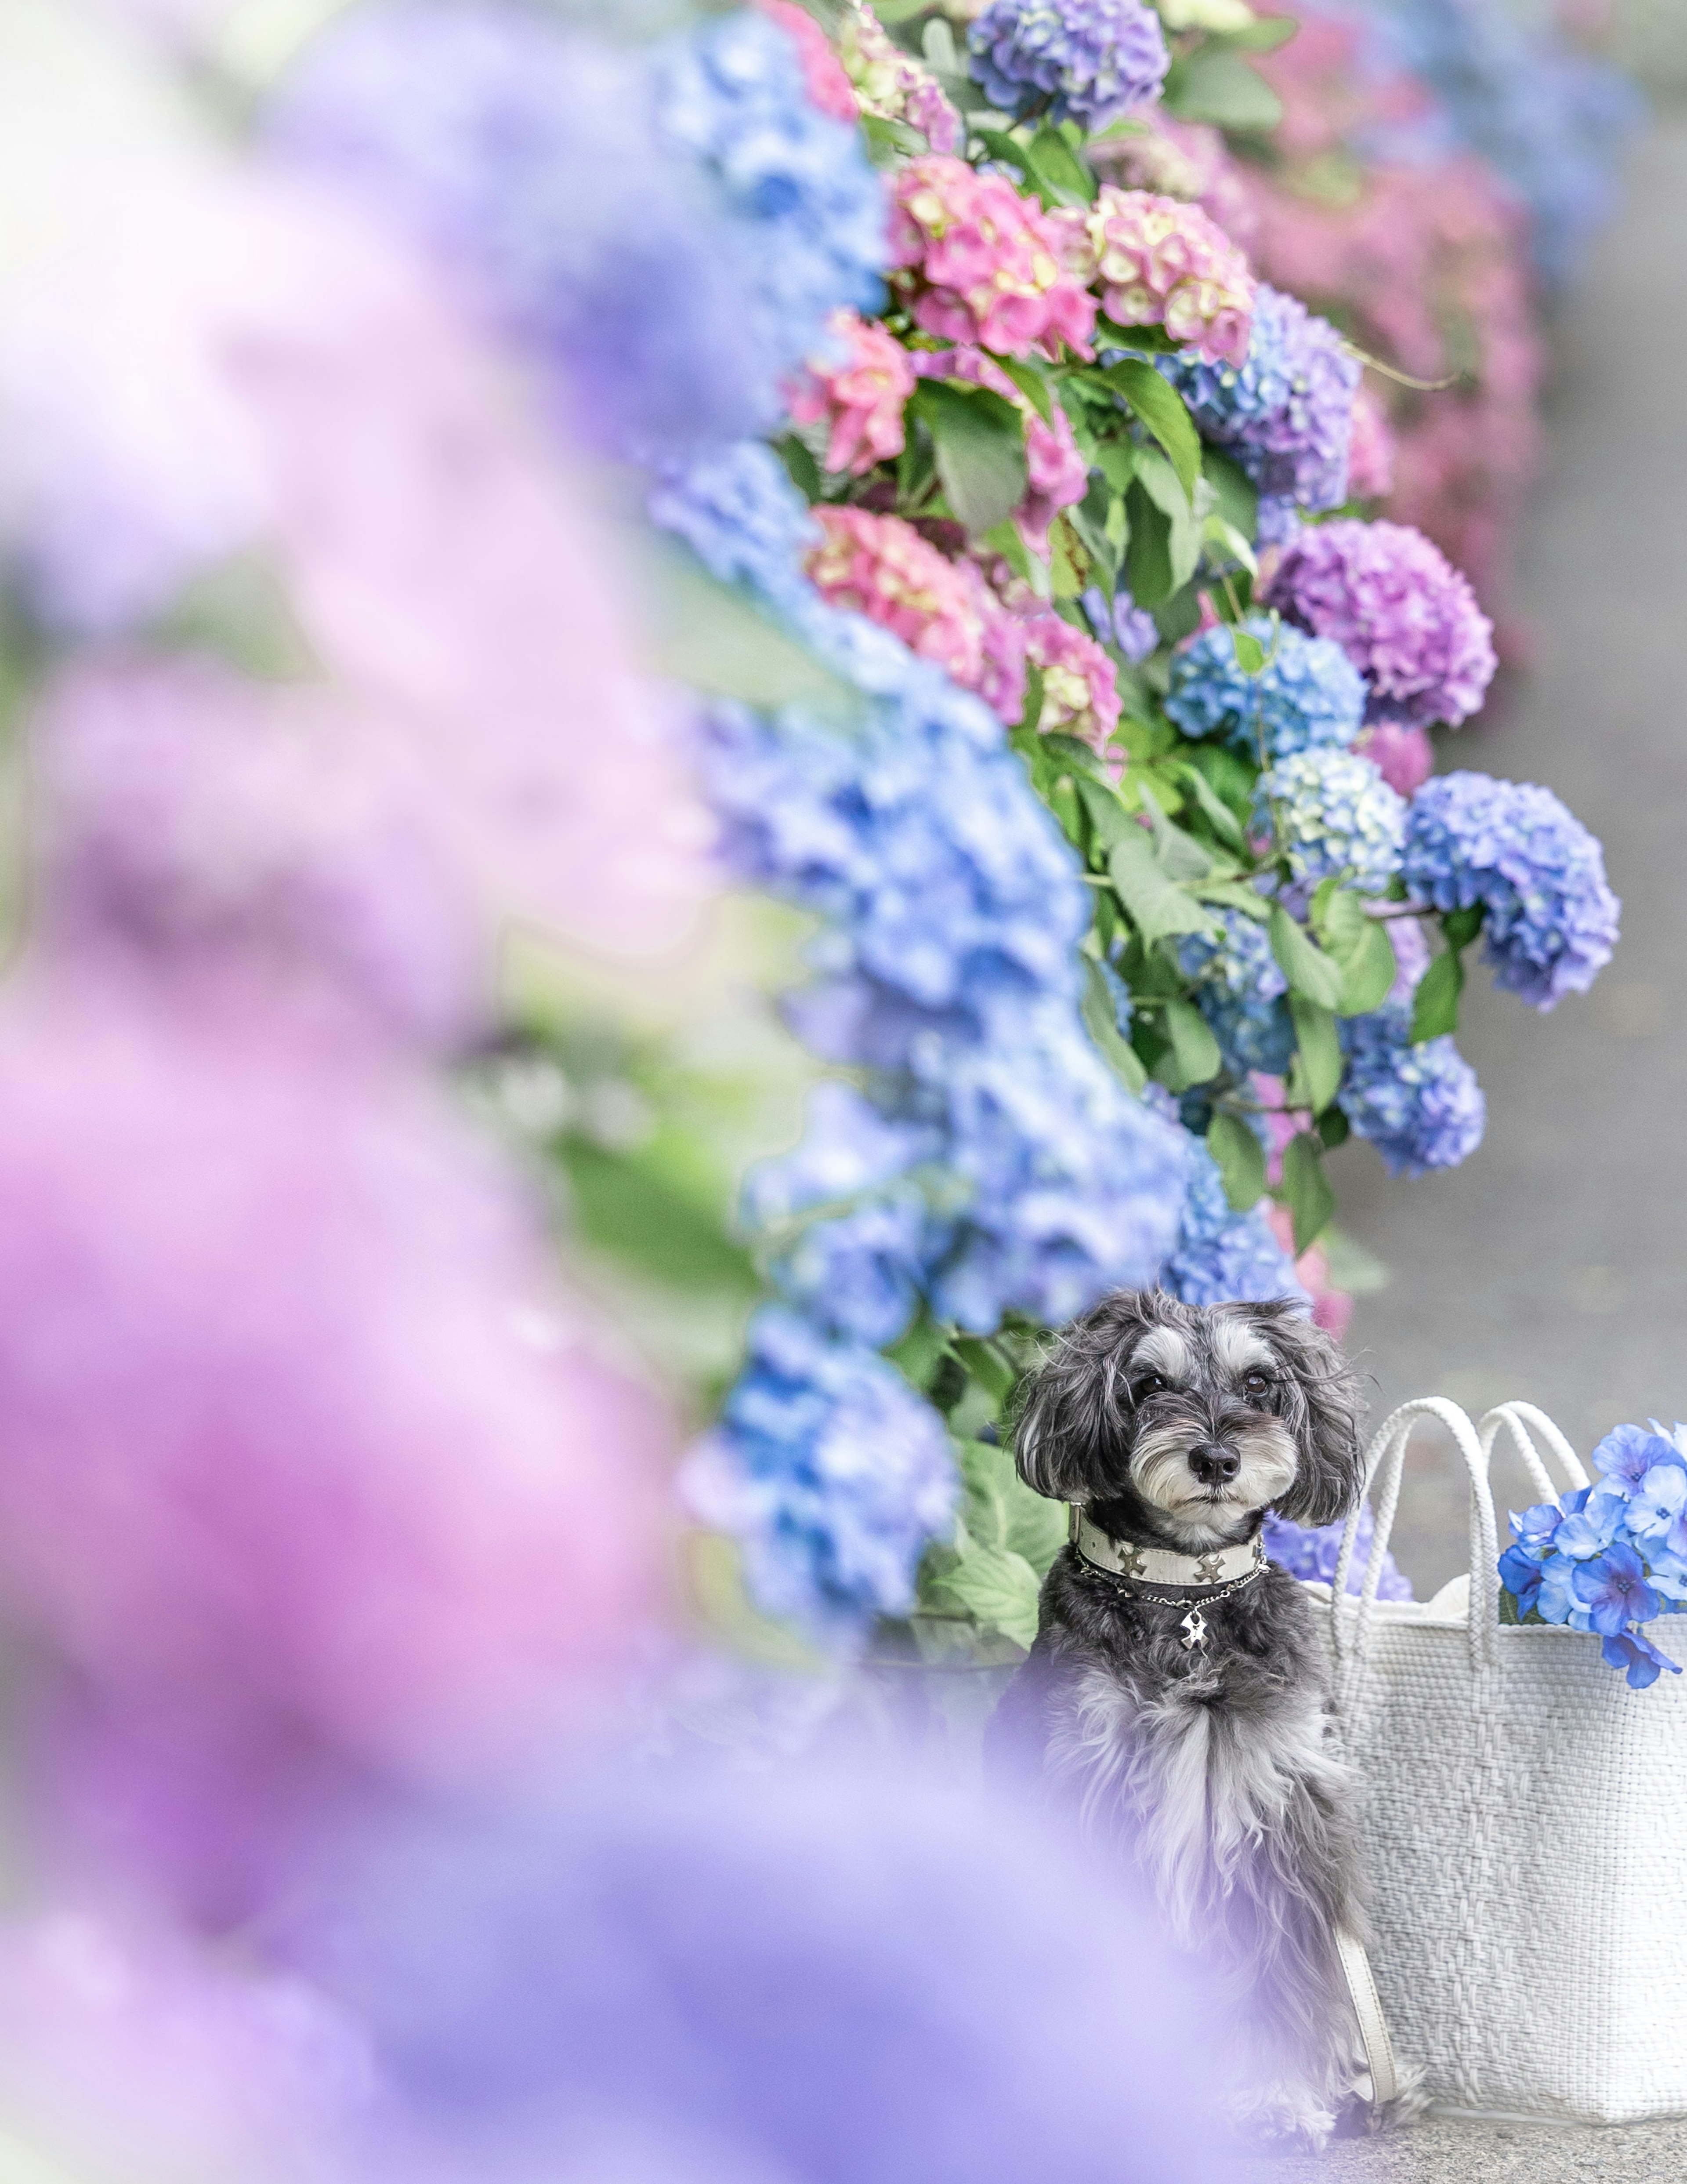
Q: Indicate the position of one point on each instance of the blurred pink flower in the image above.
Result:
(882, 568)
(1402, 754)
(1371, 450)
(1184, 160)
(1057, 473)
(861, 395)
(981, 264)
(890, 84)
(1332, 1308)
(1080, 689)
(828, 86)
(296, 1425)
(227, 831)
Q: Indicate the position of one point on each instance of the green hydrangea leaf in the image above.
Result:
(1240, 1158)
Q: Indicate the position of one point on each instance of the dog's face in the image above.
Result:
(1182, 1423)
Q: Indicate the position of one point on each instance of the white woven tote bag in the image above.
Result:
(1526, 1822)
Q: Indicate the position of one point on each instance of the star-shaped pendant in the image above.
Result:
(1195, 1626)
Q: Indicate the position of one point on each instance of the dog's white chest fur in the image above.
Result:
(1190, 1787)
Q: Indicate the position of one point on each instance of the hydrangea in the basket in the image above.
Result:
(1404, 615)
(1222, 1255)
(891, 84)
(1160, 263)
(1421, 1106)
(1073, 60)
(1286, 413)
(1551, 922)
(1241, 991)
(979, 263)
(1307, 693)
(1610, 1556)
(830, 1468)
(859, 385)
(1331, 812)
(1312, 1553)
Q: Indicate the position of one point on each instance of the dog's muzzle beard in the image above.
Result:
(1209, 1477)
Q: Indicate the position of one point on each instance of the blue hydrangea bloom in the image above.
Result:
(1552, 920)
(1242, 992)
(831, 1470)
(670, 226)
(1222, 1256)
(1309, 692)
(1332, 812)
(1628, 1455)
(1310, 1552)
(1071, 60)
(1634, 1651)
(1287, 412)
(1421, 1106)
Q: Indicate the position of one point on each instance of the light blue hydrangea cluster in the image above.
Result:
(1086, 61)
(669, 225)
(1331, 812)
(1310, 1552)
(1287, 412)
(1552, 919)
(993, 1163)
(1222, 1256)
(1612, 1556)
(1421, 1106)
(1241, 991)
(1308, 694)
(830, 1469)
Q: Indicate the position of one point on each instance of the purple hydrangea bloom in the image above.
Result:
(1287, 412)
(1552, 920)
(1121, 623)
(1222, 1256)
(1241, 991)
(1330, 813)
(708, 1972)
(1403, 615)
(1311, 1552)
(833, 1472)
(1307, 694)
(1421, 1106)
(1628, 1455)
(1073, 60)
(1520, 1572)
(670, 226)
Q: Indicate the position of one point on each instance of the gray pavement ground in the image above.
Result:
(1553, 1264)
(1444, 2152)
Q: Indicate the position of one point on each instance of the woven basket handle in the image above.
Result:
(1384, 1467)
(1519, 1420)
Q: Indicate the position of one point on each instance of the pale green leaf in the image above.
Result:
(1240, 1158)
(1308, 970)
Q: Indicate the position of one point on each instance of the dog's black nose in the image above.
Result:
(1212, 1465)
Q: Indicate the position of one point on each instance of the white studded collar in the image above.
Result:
(1163, 1565)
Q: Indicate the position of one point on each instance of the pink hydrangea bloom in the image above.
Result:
(1184, 160)
(1080, 690)
(1058, 474)
(881, 567)
(1401, 755)
(891, 85)
(1332, 1308)
(299, 1432)
(1370, 451)
(861, 395)
(828, 86)
(981, 264)
(1406, 619)
(1160, 263)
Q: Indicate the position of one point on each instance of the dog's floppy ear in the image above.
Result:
(1322, 1410)
(1074, 1409)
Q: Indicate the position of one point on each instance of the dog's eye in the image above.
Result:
(1151, 1384)
(1257, 1383)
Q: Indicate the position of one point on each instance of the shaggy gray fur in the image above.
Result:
(1212, 1770)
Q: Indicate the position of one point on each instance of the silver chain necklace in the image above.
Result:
(1194, 1624)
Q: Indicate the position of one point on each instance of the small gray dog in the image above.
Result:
(1173, 1693)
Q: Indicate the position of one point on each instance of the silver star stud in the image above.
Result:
(1132, 1562)
(1210, 1568)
